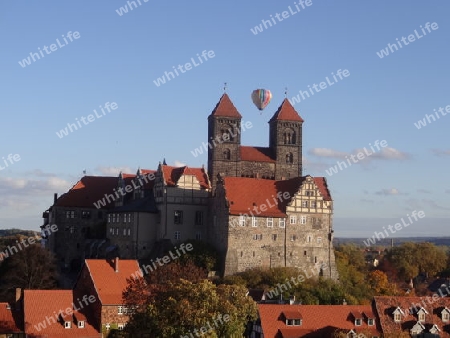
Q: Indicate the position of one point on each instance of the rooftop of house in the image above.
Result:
(288, 321)
(46, 311)
(9, 319)
(240, 193)
(110, 277)
(173, 174)
(408, 309)
(87, 191)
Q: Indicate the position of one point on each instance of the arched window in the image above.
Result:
(227, 154)
(289, 136)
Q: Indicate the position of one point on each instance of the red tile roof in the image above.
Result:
(41, 314)
(256, 154)
(149, 174)
(7, 322)
(240, 192)
(322, 185)
(108, 283)
(87, 190)
(243, 193)
(316, 320)
(434, 306)
(286, 112)
(173, 174)
(225, 108)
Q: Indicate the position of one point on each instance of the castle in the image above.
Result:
(252, 204)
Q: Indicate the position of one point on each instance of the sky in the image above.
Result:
(115, 56)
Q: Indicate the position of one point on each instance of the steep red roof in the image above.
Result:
(243, 193)
(322, 185)
(173, 174)
(41, 314)
(7, 322)
(225, 108)
(109, 283)
(286, 112)
(256, 154)
(87, 190)
(385, 306)
(316, 320)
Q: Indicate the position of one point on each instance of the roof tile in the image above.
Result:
(286, 112)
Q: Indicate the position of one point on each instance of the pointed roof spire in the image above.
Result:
(225, 108)
(286, 112)
(164, 161)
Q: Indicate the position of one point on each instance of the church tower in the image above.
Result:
(285, 141)
(224, 140)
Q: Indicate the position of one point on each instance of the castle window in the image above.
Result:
(293, 238)
(313, 204)
(198, 218)
(292, 219)
(305, 204)
(274, 237)
(177, 235)
(109, 218)
(281, 222)
(270, 222)
(242, 221)
(289, 158)
(129, 218)
(254, 223)
(178, 217)
(129, 232)
(303, 220)
(124, 232)
(319, 240)
(226, 154)
(198, 236)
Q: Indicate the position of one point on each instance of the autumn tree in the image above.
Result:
(411, 259)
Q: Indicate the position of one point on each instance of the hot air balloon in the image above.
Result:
(261, 98)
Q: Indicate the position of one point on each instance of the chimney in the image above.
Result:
(344, 302)
(292, 300)
(116, 264)
(18, 298)
(55, 198)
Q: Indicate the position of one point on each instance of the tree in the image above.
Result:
(183, 308)
(411, 259)
(33, 267)
(378, 280)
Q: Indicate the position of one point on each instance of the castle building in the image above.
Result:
(264, 213)
(281, 160)
(253, 204)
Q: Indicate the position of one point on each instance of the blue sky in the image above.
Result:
(117, 58)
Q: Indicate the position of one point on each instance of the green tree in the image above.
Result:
(203, 308)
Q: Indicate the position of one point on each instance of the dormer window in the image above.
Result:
(81, 324)
(421, 314)
(67, 325)
(417, 329)
(358, 318)
(370, 321)
(435, 330)
(445, 314)
(398, 313)
(293, 322)
(293, 318)
(358, 322)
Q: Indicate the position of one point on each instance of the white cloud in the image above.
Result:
(388, 153)
(424, 191)
(326, 152)
(441, 152)
(389, 192)
(179, 163)
(114, 171)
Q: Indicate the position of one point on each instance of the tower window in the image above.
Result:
(226, 154)
(289, 158)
